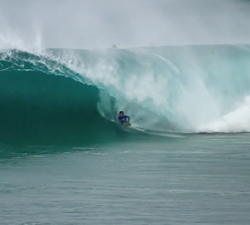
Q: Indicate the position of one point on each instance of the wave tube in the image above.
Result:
(178, 89)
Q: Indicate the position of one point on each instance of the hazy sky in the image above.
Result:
(126, 23)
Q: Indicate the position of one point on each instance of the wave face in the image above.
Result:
(76, 94)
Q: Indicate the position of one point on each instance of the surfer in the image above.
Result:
(124, 120)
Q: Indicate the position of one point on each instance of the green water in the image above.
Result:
(65, 159)
(196, 179)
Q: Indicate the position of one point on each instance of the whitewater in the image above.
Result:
(171, 89)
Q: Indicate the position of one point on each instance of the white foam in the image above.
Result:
(194, 94)
(237, 120)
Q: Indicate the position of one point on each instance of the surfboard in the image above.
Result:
(126, 124)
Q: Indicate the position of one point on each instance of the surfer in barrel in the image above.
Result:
(124, 120)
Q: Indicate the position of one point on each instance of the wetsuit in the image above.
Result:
(124, 119)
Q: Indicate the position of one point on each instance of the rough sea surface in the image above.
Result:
(197, 179)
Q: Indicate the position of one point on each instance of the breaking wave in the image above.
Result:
(62, 94)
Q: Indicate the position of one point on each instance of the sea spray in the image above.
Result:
(181, 89)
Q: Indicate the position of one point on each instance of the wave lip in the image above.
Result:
(178, 89)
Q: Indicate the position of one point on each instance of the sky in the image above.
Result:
(126, 23)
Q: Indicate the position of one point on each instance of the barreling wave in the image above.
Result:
(65, 94)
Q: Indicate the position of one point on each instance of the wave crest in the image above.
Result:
(185, 89)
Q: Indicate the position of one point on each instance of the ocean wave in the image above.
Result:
(178, 89)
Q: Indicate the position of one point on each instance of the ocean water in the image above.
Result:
(65, 159)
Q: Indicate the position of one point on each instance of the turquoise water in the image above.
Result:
(196, 179)
(64, 158)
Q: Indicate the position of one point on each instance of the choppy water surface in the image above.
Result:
(195, 179)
